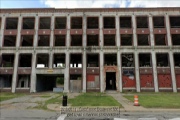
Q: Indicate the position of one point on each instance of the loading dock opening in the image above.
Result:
(110, 80)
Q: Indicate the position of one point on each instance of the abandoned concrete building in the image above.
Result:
(90, 49)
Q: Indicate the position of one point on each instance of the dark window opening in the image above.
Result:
(42, 60)
(110, 81)
(110, 59)
(59, 40)
(59, 61)
(7, 60)
(93, 60)
(28, 23)
(76, 40)
(76, 61)
(76, 77)
(162, 60)
(109, 22)
(126, 40)
(127, 60)
(45, 23)
(25, 60)
(92, 23)
(5, 81)
(60, 23)
(160, 39)
(76, 23)
(175, 39)
(92, 40)
(177, 59)
(142, 22)
(27, 40)
(43, 40)
(175, 22)
(125, 22)
(143, 40)
(10, 40)
(11, 23)
(145, 60)
(109, 40)
(23, 81)
(158, 22)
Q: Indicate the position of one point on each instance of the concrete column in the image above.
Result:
(2, 30)
(168, 30)
(134, 30)
(33, 73)
(36, 31)
(102, 71)
(68, 31)
(50, 59)
(101, 31)
(151, 37)
(66, 74)
(52, 31)
(117, 31)
(155, 71)
(18, 38)
(137, 71)
(14, 80)
(173, 75)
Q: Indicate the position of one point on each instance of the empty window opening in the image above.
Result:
(177, 59)
(109, 22)
(158, 22)
(5, 81)
(92, 40)
(175, 22)
(23, 81)
(127, 60)
(110, 59)
(76, 23)
(142, 22)
(162, 60)
(43, 40)
(143, 40)
(93, 60)
(28, 23)
(45, 23)
(145, 60)
(76, 61)
(109, 40)
(59, 40)
(27, 40)
(60, 23)
(76, 40)
(10, 40)
(160, 39)
(59, 61)
(7, 60)
(175, 39)
(125, 22)
(110, 81)
(126, 40)
(75, 83)
(92, 23)
(42, 60)
(25, 60)
(11, 23)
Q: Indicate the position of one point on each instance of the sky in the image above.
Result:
(88, 3)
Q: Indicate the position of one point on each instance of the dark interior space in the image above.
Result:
(143, 39)
(109, 40)
(10, 40)
(27, 40)
(59, 60)
(28, 23)
(42, 60)
(175, 21)
(11, 23)
(92, 23)
(92, 40)
(25, 60)
(160, 39)
(5, 81)
(175, 39)
(126, 40)
(177, 59)
(75, 77)
(109, 22)
(158, 22)
(59, 40)
(142, 22)
(45, 23)
(162, 60)
(7, 60)
(110, 59)
(76, 40)
(127, 60)
(76, 23)
(110, 81)
(92, 60)
(125, 22)
(43, 40)
(60, 23)
(145, 60)
(23, 81)
(76, 60)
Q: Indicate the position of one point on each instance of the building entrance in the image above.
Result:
(110, 80)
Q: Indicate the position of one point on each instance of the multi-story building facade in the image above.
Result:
(92, 49)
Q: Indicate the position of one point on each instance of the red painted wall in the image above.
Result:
(178, 80)
(164, 80)
(128, 82)
(147, 81)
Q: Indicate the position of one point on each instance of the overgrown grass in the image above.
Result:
(93, 99)
(157, 100)
(6, 96)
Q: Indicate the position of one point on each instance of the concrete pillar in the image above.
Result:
(151, 37)
(33, 73)
(52, 31)
(14, 80)
(101, 30)
(18, 37)
(154, 65)
(50, 59)
(134, 31)
(117, 31)
(137, 71)
(168, 30)
(2, 30)
(173, 75)
(36, 31)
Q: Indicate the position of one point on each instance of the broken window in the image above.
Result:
(59, 40)
(76, 40)
(7, 60)
(109, 22)
(175, 39)
(127, 60)
(92, 40)
(125, 22)
(109, 40)
(142, 22)
(27, 40)
(177, 59)
(160, 39)
(93, 60)
(126, 40)
(175, 21)
(76, 61)
(10, 40)
(23, 81)
(42, 60)
(59, 61)
(162, 60)
(110, 59)
(27, 58)
(76, 23)
(43, 40)
(145, 60)
(11, 23)
(143, 39)
(28, 23)
(158, 22)
(92, 23)
(60, 23)
(45, 23)
(5, 81)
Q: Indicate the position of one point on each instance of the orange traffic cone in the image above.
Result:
(136, 102)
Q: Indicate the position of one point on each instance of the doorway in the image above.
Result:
(110, 80)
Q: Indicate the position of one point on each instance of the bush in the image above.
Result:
(60, 80)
